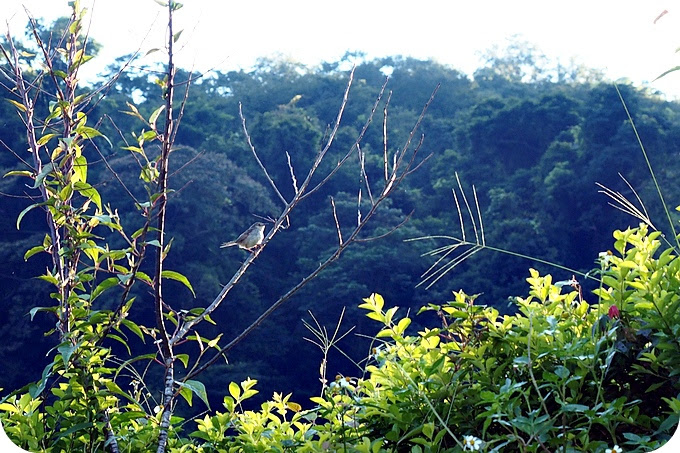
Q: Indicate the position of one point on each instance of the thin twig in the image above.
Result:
(292, 173)
(364, 176)
(257, 158)
(337, 223)
(385, 160)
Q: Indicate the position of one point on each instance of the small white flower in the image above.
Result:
(615, 449)
(471, 443)
(605, 259)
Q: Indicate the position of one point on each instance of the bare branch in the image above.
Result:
(292, 173)
(182, 106)
(403, 151)
(337, 223)
(368, 122)
(165, 346)
(362, 166)
(392, 230)
(187, 163)
(259, 162)
(115, 174)
(385, 161)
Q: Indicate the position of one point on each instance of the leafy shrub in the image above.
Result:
(561, 374)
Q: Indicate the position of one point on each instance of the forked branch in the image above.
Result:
(401, 167)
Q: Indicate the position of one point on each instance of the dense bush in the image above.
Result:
(562, 374)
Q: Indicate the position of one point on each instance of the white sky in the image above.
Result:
(619, 37)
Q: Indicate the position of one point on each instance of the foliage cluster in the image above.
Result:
(561, 374)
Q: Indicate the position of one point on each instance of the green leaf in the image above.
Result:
(35, 310)
(6, 407)
(121, 341)
(32, 251)
(133, 111)
(574, 408)
(184, 358)
(149, 135)
(44, 171)
(176, 36)
(77, 427)
(25, 211)
(79, 60)
(198, 388)
(187, 394)
(80, 169)
(91, 132)
(46, 138)
(562, 372)
(154, 115)
(133, 327)
(66, 351)
(234, 390)
(402, 325)
(19, 173)
(103, 286)
(663, 74)
(135, 149)
(213, 343)
(89, 192)
(142, 276)
(124, 365)
(49, 279)
(172, 275)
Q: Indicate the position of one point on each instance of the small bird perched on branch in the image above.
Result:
(249, 239)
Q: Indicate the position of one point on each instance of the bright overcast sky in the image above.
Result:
(619, 37)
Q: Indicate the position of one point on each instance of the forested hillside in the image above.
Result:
(533, 147)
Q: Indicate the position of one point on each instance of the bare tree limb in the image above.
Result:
(396, 178)
(385, 160)
(257, 158)
(368, 122)
(337, 222)
(292, 173)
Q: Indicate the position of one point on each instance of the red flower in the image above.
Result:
(614, 312)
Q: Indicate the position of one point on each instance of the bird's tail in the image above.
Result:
(227, 244)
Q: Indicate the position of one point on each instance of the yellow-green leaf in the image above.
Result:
(46, 138)
(16, 104)
(234, 390)
(32, 251)
(80, 169)
(19, 173)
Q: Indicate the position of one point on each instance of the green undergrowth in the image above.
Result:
(568, 372)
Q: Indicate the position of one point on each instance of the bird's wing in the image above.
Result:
(227, 244)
